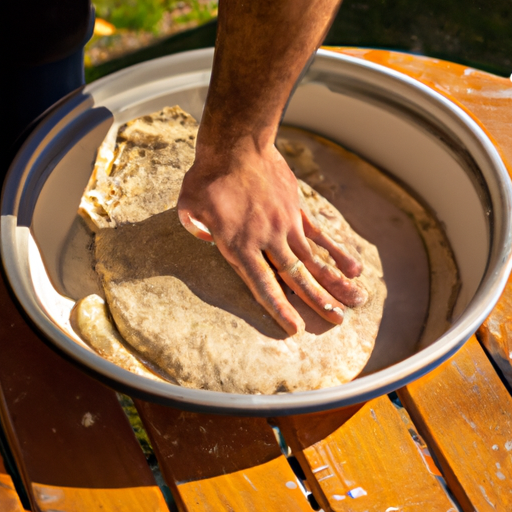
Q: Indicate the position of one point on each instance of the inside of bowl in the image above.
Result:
(426, 161)
(418, 158)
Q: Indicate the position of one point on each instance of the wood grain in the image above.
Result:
(51, 498)
(464, 413)
(270, 486)
(496, 333)
(66, 430)
(371, 454)
(214, 462)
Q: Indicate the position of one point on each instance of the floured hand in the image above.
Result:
(246, 200)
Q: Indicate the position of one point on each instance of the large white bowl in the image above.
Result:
(400, 125)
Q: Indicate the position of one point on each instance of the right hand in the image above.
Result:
(246, 200)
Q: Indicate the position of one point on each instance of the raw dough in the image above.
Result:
(90, 317)
(178, 303)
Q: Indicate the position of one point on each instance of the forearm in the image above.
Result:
(262, 47)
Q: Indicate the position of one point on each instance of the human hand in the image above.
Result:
(245, 199)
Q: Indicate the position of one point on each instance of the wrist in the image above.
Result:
(243, 158)
(220, 145)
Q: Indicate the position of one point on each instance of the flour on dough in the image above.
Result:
(179, 304)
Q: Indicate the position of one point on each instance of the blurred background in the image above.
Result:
(477, 33)
(125, 26)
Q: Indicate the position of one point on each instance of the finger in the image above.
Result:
(348, 263)
(299, 279)
(323, 268)
(261, 280)
(194, 226)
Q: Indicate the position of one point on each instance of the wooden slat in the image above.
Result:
(52, 498)
(496, 333)
(269, 486)
(464, 413)
(71, 440)
(221, 462)
(9, 500)
(371, 455)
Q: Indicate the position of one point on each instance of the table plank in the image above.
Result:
(71, 440)
(464, 413)
(214, 462)
(496, 333)
(52, 498)
(369, 463)
(9, 500)
(268, 486)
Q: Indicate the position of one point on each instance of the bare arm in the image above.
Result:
(240, 187)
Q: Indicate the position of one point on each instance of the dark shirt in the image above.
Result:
(43, 49)
(44, 31)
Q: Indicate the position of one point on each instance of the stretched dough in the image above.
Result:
(178, 303)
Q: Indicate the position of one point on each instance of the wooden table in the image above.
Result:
(74, 449)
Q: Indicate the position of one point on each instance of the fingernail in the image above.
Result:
(294, 327)
(358, 269)
(339, 312)
(199, 225)
(364, 296)
(360, 296)
(355, 269)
